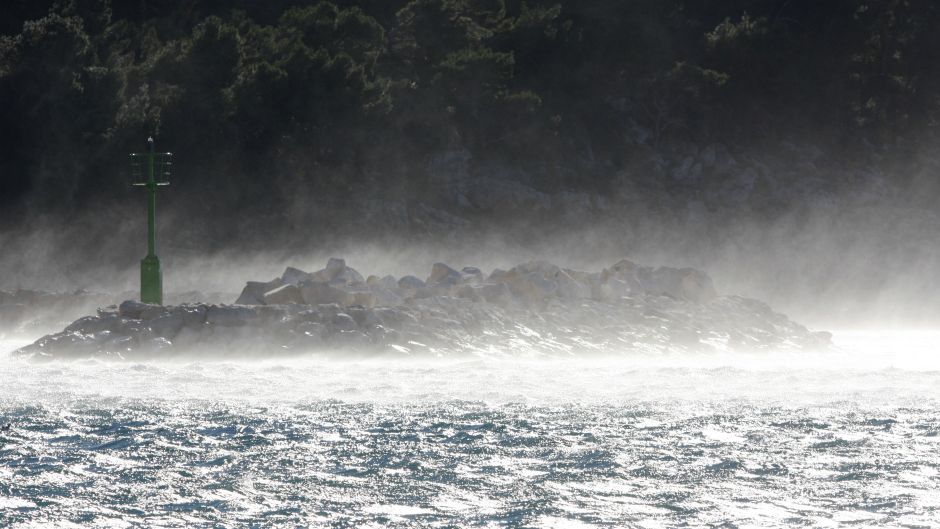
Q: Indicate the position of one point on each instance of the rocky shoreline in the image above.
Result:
(534, 309)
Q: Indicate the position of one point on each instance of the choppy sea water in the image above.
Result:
(850, 438)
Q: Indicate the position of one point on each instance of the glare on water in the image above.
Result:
(905, 361)
(847, 437)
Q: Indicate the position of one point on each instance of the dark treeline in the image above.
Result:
(268, 101)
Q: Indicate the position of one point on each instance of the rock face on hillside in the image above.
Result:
(535, 308)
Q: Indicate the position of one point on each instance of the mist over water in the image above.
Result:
(639, 441)
(845, 266)
(787, 150)
(780, 376)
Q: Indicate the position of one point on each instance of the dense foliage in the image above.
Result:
(267, 101)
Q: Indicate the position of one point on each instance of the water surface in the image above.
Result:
(850, 438)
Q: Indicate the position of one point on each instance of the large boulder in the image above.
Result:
(283, 295)
(334, 267)
(254, 291)
(136, 310)
(95, 324)
(349, 276)
(385, 296)
(611, 288)
(337, 273)
(411, 283)
(295, 276)
(387, 282)
(686, 284)
(568, 287)
(320, 293)
(697, 286)
(168, 325)
(471, 274)
(536, 281)
(193, 314)
(495, 293)
(621, 278)
(343, 322)
(443, 275)
(531, 282)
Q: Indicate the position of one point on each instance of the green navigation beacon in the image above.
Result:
(151, 170)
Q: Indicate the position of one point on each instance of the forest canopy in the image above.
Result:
(270, 99)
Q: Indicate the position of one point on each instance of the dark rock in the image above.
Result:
(343, 322)
(155, 346)
(110, 309)
(190, 338)
(410, 283)
(132, 328)
(136, 310)
(311, 332)
(95, 324)
(363, 317)
(231, 316)
(328, 310)
(167, 325)
(193, 315)
(309, 315)
(471, 274)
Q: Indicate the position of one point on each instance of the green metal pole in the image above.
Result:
(151, 206)
(151, 277)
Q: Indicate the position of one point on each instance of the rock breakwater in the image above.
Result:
(535, 308)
